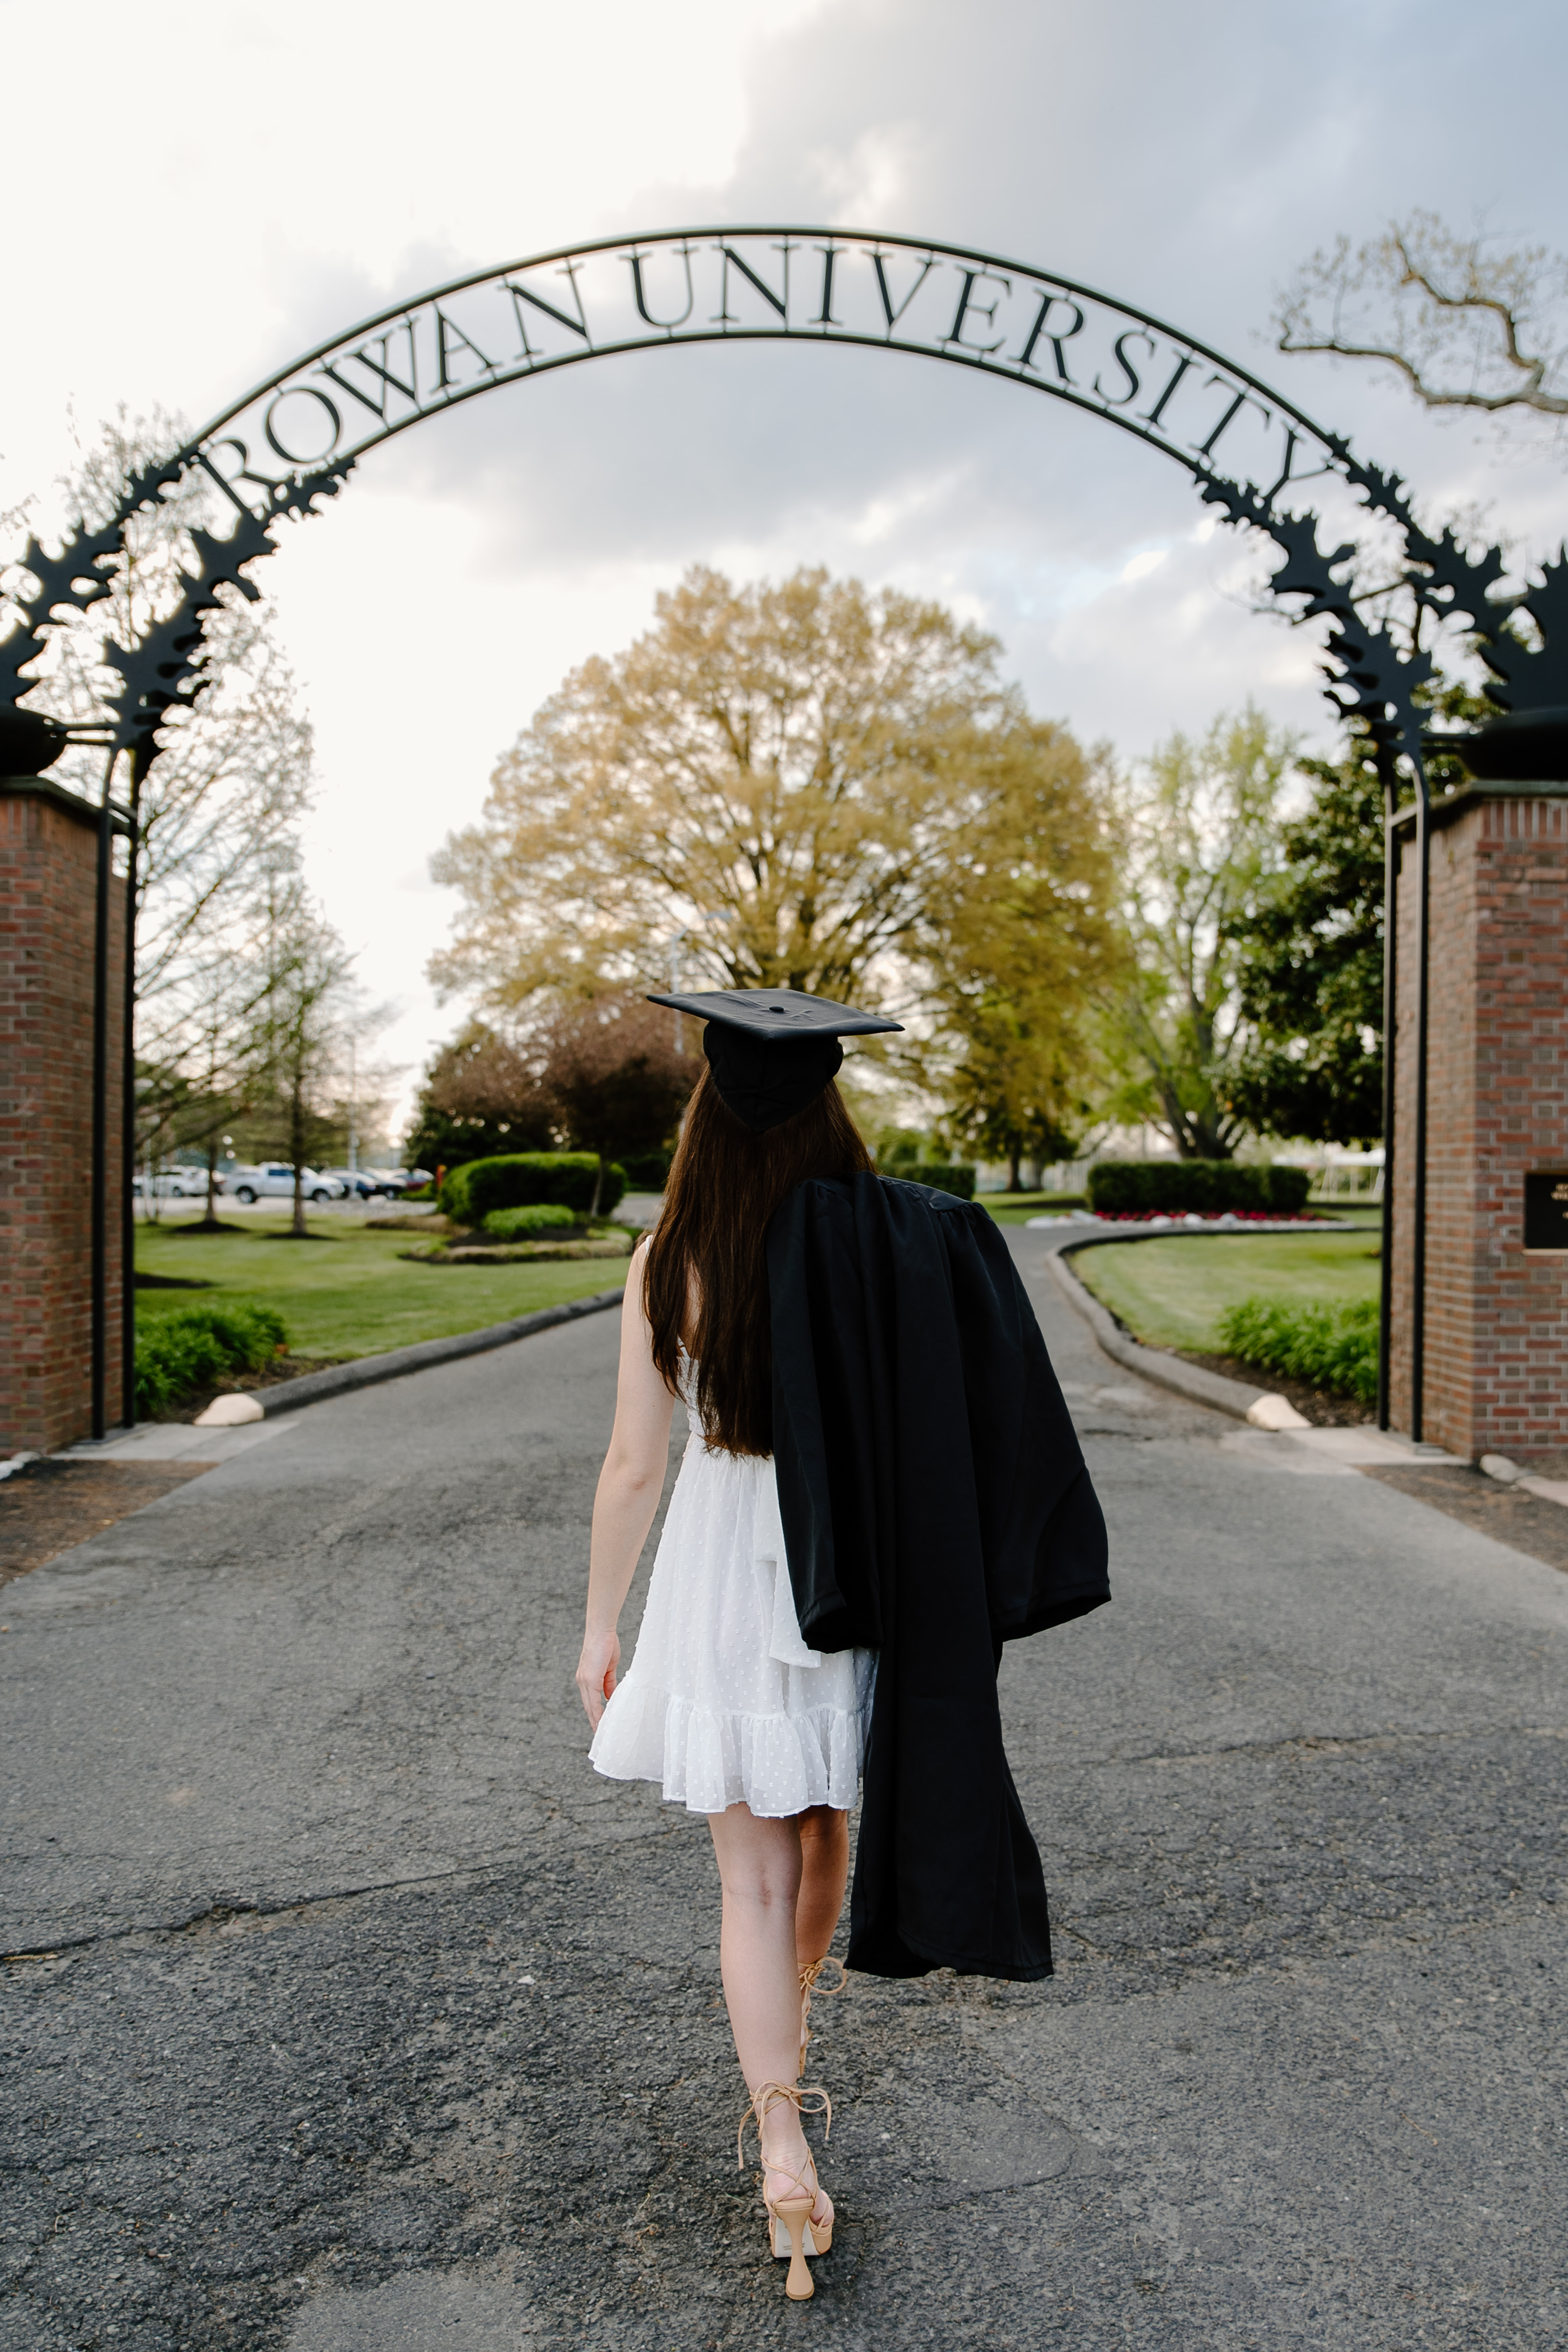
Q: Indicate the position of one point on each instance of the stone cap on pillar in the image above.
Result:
(72, 804)
(1445, 806)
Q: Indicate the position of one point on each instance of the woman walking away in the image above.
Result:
(880, 1485)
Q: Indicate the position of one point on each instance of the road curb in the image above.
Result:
(366, 1371)
(1150, 1363)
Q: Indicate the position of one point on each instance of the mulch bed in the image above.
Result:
(1323, 1407)
(47, 1507)
(1526, 1521)
(196, 1225)
(281, 1368)
(483, 1253)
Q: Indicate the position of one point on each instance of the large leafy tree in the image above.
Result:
(774, 785)
(1010, 1096)
(1200, 844)
(1021, 939)
(803, 785)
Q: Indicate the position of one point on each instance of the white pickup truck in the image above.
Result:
(274, 1180)
(175, 1184)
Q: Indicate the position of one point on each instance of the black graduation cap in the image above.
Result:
(772, 1050)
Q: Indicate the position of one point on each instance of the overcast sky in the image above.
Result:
(201, 192)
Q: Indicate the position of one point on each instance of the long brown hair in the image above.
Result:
(705, 1282)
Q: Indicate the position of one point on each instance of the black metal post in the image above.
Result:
(99, 1186)
(1418, 1154)
(1390, 1040)
(127, 1119)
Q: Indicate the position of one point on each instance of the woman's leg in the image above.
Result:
(760, 1867)
(824, 1875)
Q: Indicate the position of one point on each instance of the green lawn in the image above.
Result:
(348, 1293)
(1014, 1208)
(1171, 1292)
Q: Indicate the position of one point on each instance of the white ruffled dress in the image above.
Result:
(723, 1704)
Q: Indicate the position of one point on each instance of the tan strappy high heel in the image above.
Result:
(808, 1986)
(791, 2229)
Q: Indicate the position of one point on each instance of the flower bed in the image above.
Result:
(1221, 1217)
(620, 1244)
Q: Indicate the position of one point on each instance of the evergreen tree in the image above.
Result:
(1310, 974)
(1311, 970)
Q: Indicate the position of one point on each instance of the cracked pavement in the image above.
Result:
(347, 2008)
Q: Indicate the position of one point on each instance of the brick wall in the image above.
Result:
(48, 865)
(1497, 1321)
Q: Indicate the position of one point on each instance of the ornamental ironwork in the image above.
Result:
(1251, 452)
(292, 441)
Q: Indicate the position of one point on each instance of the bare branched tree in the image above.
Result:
(222, 802)
(310, 1008)
(1463, 324)
(219, 816)
(218, 1069)
(220, 806)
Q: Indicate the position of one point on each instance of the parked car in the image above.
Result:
(359, 1183)
(394, 1181)
(174, 1184)
(274, 1180)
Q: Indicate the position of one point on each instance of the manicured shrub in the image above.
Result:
(538, 1217)
(522, 1179)
(178, 1354)
(943, 1176)
(1333, 1347)
(1179, 1188)
(646, 1171)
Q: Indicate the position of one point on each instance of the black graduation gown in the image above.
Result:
(935, 1504)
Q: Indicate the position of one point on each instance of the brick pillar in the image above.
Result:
(49, 881)
(1497, 1314)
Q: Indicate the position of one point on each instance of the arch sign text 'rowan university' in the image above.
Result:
(293, 442)
(728, 286)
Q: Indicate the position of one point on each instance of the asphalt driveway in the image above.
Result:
(349, 2009)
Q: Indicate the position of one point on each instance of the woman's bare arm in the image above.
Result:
(629, 1488)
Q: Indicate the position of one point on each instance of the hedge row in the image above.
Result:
(521, 1179)
(1332, 1346)
(1189, 1187)
(539, 1217)
(943, 1176)
(179, 1354)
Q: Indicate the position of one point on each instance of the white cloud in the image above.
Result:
(238, 189)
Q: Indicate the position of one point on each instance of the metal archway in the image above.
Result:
(293, 439)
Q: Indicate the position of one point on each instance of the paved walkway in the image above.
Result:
(364, 2016)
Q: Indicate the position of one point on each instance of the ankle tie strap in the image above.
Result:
(767, 2095)
(811, 1976)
